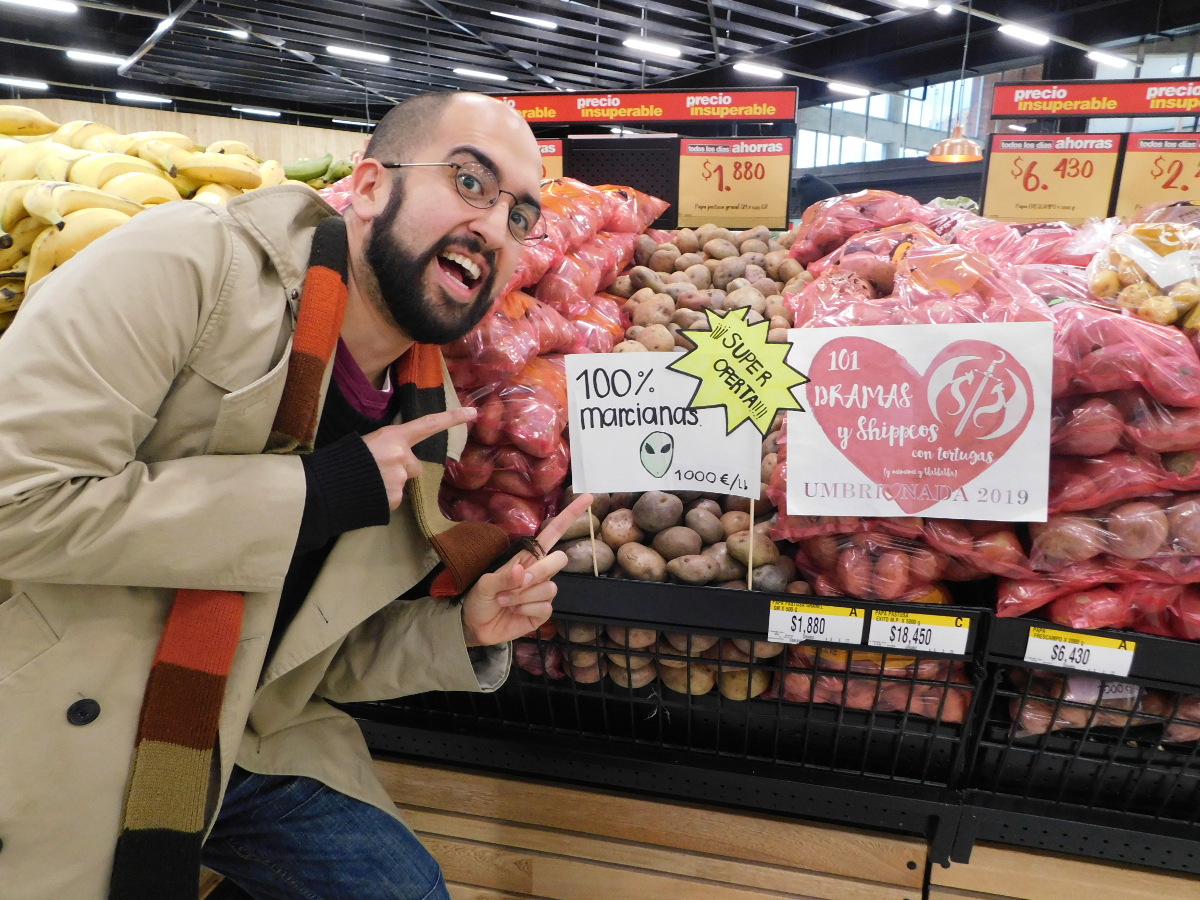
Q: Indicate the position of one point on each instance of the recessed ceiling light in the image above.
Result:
(256, 111)
(653, 47)
(750, 68)
(1117, 62)
(844, 88)
(134, 97)
(354, 53)
(528, 20)
(361, 123)
(55, 6)
(1177, 69)
(1016, 128)
(1028, 35)
(475, 73)
(943, 9)
(27, 83)
(236, 33)
(102, 59)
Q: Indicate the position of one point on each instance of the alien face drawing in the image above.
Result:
(657, 450)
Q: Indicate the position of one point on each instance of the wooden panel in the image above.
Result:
(270, 140)
(762, 838)
(1047, 876)
(565, 878)
(471, 892)
(723, 869)
(944, 893)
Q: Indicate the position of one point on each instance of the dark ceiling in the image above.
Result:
(283, 62)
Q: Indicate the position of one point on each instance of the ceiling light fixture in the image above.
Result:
(354, 53)
(843, 87)
(750, 68)
(55, 6)
(943, 9)
(1118, 62)
(528, 20)
(257, 111)
(1023, 33)
(958, 148)
(653, 47)
(134, 97)
(26, 83)
(101, 59)
(164, 24)
(475, 73)
(1017, 128)
(236, 33)
(358, 122)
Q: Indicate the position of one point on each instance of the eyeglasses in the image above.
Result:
(478, 186)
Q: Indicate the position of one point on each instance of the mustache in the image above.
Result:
(469, 243)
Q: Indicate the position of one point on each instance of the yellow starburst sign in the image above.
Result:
(739, 370)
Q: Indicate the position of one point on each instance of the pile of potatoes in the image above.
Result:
(706, 268)
(680, 661)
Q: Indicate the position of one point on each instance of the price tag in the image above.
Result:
(1040, 179)
(738, 183)
(1158, 167)
(919, 631)
(1085, 652)
(552, 158)
(794, 623)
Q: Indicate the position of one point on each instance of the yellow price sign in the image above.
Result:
(1158, 167)
(552, 158)
(1065, 178)
(736, 183)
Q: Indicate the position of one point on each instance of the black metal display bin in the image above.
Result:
(951, 747)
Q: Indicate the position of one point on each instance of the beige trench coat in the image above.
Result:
(139, 386)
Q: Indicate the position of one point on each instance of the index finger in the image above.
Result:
(427, 426)
(550, 535)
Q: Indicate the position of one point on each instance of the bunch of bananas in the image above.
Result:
(64, 185)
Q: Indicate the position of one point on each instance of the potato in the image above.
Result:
(737, 584)
(643, 277)
(753, 271)
(705, 524)
(699, 275)
(685, 261)
(778, 321)
(746, 296)
(695, 679)
(737, 284)
(770, 462)
(689, 319)
(685, 240)
(579, 632)
(728, 568)
(797, 284)
(632, 332)
(619, 528)
(677, 278)
(629, 347)
(663, 261)
(758, 248)
(631, 638)
(720, 249)
(708, 232)
(644, 249)
(757, 233)
(622, 286)
(788, 238)
(623, 499)
(579, 556)
(771, 577)
(665, 649)
(633, 678)
(601, 504)
(707, 503)
(773, 245)
(743, 684)
(791, 268)
(717, 297)
(656, 338)
(689, 644)
(580, 656)
(655, 311)
(771, 442)
(773, 260)
(625, 660)
(768, 287)
(656, 511)
(765, 550)
(799, 587)
(727, 270)
(581, 527)
(641, 562)
(694, 300)
(756, 650)
(735, 521)
(678, 288)
(711, 264)
(678, 540)
(694, 568)
(1137, 530)
(588, 674)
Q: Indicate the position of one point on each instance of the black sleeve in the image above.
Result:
(344, 491)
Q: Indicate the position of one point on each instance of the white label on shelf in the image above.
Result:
(794, 623)
(1085, 652)
(1081, 689)
(919, 631)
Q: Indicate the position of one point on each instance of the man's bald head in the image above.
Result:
(404, 130)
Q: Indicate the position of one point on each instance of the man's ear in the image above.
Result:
(370, 188)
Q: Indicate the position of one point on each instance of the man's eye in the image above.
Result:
(523, 218)
(470, 182)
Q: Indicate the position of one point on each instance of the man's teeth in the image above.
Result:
(467, 264)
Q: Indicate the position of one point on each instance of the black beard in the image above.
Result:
(400, 282)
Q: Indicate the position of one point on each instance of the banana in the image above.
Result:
(56, 164)
(272, 173)
(12, 207)
(307, 169)
(24, 121)
(7, 144)
(216, 193)
(23, 235)
(53, 201)
(141, 187)
(338, 169)
(10, 299)
(54, 247)
(97, 168)
(74, 133)
(182, 141)
(233, 169)
(164, 155)
(238, 148)
(16, 272)
(108, 143)
(21, 162)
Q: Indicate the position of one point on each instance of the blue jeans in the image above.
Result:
(285, 838)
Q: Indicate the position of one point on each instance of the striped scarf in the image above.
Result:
(158, 851)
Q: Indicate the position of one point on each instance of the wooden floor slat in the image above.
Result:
(429, 823)
(473, 892)
(760, 838)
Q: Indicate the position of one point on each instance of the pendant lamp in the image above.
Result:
(958, 148)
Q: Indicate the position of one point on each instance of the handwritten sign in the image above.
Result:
(552, 158)
(739, 183)
(1040, 179)
(1158, 167)
(938, 420)
(739, 370)
(632, 429)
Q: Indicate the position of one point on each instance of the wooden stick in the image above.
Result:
(592, 535)
(750, 565)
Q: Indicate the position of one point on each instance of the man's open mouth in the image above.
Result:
(460, 268)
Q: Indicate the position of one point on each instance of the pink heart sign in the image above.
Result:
(921, 437)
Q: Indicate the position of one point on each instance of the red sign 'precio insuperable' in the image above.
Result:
(777, 105)
(1031, 99)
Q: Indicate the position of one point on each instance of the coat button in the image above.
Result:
(83, 712)
(295, 294)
